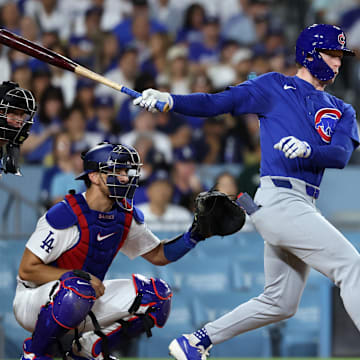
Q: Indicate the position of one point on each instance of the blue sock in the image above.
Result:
(203, 336)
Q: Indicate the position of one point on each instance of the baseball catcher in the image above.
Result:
(17, 109)
(61, 284)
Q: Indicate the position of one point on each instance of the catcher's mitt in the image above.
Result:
(217, 214)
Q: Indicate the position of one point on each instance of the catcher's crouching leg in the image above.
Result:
(66, 309)
(150, 308)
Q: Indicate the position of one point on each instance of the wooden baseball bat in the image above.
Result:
(51, 57)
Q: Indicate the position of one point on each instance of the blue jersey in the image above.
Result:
(286, 106)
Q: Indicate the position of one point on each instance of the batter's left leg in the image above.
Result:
(285, 278)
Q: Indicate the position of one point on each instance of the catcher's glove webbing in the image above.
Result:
(216, 214)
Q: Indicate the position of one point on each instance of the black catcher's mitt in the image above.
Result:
(217, 214)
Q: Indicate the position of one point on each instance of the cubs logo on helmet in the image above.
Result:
(325, 122)
(341, 39)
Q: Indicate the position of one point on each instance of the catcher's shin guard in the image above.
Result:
(68, 307)
(150, 308)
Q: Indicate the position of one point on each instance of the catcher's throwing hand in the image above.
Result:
(293, 147)
(216, 214)
(150, 97)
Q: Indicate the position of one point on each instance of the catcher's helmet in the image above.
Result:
(315, 38)
(108, 158)
(12, 99)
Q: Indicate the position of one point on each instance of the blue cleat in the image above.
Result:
(28, 355)
(184, 348)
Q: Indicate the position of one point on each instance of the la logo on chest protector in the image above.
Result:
(325, 122)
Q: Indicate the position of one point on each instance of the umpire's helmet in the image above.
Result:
(108, 158)
(315, 38)
(12, 99)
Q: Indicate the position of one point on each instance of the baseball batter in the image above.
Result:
(303, 131)
(61, 275)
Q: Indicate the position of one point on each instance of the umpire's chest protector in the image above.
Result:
(101, 235)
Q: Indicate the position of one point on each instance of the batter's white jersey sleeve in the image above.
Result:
(139, 241)
(49, 243)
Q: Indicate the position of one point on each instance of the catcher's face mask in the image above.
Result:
(17, 109)
(111, 160)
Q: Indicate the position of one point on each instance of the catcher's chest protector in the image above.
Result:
(101, 237)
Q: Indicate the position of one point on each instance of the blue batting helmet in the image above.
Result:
(315, 38)
(109, 158)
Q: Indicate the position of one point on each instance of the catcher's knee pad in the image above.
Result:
(150, 308)
(154, 295)
(66, 309)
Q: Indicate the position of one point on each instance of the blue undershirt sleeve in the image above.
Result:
(336, 155)
(182, 244)
(202, 104)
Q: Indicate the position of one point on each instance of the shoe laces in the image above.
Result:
(204, 352)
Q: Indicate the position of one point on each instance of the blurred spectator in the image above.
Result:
(206, 52)
(126, 32)
(249, 178)
(175, 126)
(156, 63)
(187, 184)
(159, 213)
(199, 83)
(65, 80)
(241, 26)
(124, 74)
(225, 182)
(61, 154)
(5, 65)
(75, 125)
(48, 121)
(193, 22)
(152, 160)
(179, 78)
(21, 73)
(145, 125)
(128, 111)
(64, 180)
(108, 54)
(214, 132)
(29, 29)
(86, 48)
(85, 97)
(49, 15)
(104, 122)
(241, 61)
(222, 73)
(40, 80)
(329, 11)
(167, 13)
(50, 38)
(10, 17)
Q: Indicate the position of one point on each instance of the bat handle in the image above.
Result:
(160, 105)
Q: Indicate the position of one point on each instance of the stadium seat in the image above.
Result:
(202, 274)
(123, 267)
(208, 307)
(180, 321)
(302, 332)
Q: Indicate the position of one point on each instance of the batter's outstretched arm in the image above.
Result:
(202, 104)
(197, 104)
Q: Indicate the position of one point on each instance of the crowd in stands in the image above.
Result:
(178, 46)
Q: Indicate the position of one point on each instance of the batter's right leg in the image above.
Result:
(285, 279)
